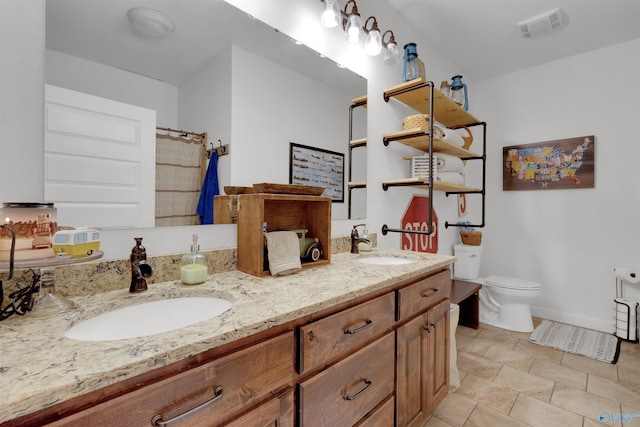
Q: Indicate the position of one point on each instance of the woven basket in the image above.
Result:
(473, 238)
(420, 121)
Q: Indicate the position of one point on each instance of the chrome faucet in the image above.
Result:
(355, 239)
(140, 270)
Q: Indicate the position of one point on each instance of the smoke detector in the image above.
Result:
(150, 22)
(542, 24)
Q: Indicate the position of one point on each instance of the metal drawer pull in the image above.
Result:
(356, 330)
(429, 328)
(430, 293)
(367, 384)
(157, 421)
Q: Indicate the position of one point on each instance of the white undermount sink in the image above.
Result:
(148, 318)
(385, 260)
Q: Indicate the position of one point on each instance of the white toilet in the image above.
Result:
(505, 302)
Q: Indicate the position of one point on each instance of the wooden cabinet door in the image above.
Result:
(437, 347)
(422, 365)
(411, 369)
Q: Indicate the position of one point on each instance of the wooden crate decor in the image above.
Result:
(558, 164)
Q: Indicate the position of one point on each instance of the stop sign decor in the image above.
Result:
(416, 217)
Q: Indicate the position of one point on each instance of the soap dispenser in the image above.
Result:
(194, 265)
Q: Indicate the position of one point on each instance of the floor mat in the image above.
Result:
(573, 339)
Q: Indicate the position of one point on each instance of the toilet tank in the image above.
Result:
(468, 264)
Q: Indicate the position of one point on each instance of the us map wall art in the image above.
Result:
(563, 163)
(317, 167)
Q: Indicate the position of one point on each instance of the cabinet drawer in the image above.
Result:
(324, 340)
(229, 384)
(423, 294)
(278, 412)
(348, 390)
(382, 416)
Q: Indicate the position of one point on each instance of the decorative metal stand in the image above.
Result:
(626, 315)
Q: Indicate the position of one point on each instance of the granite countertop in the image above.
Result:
(39, 367)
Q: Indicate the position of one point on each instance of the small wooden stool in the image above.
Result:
(465, 294)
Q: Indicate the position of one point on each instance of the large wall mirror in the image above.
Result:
(220, 72)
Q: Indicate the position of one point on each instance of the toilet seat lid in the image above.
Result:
(512, 283)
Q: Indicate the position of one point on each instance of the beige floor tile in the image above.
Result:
(462, 341)
(631, 416)
(591, 366)
(593, 423)
(454, 410)
(560, 374)
(612, 390)
(477, 346)
(583, 403)
(537, 413)
(487, 417)
(468, 332)
(507, 335)
(629, 377)
(531, 385)
(435, 422)
(479, 366)
(584, 389)
(509, 358)
(538, 351)
(496, 338)
(487, 393)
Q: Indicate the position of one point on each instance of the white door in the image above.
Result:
(99, 160)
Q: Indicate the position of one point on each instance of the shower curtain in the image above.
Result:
(180, 165)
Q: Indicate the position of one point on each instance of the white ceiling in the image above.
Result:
(99, 30)
(482, 38)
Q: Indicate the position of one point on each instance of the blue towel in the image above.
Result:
(210, 188)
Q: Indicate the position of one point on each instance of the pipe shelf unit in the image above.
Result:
(422, 96)
(353, 144)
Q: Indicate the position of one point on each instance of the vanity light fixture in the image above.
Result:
(150, 22)
(373, 42)
(353, 24)
(331, 15)
(391, 52)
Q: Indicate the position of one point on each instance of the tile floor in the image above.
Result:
(505, 380)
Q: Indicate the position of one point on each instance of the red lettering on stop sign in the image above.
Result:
(416, 218)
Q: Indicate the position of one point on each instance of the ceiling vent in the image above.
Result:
(541, 24)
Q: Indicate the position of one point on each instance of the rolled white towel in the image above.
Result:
(451, 178)
(448, 163)
(449, 135)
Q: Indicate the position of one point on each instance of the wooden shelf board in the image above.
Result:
(362, 142)
(419, 139)
(445, 111)
(360, 101)
(357, 184)
(420, 183)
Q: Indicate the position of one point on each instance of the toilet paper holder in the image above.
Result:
(626, 311)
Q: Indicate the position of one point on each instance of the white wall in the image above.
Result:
(21, 99)
(84, 76)
(567, 240)
(275, 108)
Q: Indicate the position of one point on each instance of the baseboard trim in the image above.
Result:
(575, 320)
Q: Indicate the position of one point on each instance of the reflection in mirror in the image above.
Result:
(219, 72)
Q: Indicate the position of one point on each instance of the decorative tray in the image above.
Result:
(232, 189)
(307, 190)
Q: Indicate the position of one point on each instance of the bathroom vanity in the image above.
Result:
(346, 343)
